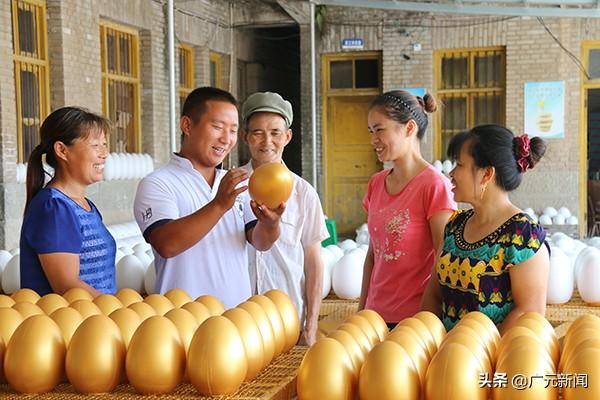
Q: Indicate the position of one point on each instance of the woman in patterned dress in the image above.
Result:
(408, 206)
(494, 258)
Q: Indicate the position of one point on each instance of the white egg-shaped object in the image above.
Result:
(545, 219)
(149, 164)
(127, 250)
(550, 211)
(437, 164)
(572, 220)
(365, 247)
(11, 276)
(347, 276)
(109, 168)
(118, 255)
(588, 276)
(15, 251)
(594, 241)
(130, 273)
(560, 278)
(559, 219)
(118, 169)
(362, 238)
(582, 258)
(144, 258)
(565, 243)
(335, 251)
(142, 246)
(529, 211)
(150, 279)
(565, 212)
(347, 245)
(5, 257)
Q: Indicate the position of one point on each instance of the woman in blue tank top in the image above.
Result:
(64, 243)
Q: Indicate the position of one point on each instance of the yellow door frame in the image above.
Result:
(584, 86)
(327, 92)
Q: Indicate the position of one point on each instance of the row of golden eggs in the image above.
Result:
(584, 328)
(544, 331)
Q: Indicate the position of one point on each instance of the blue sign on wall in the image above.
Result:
(353, 43)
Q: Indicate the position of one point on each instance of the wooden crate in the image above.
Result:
(276, 382)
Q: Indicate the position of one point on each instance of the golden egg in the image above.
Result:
(68, 320)
(155, 360)
(539, 318)
(271, 184)
(325, 372)
(128, 296)
(25, 295)
(365, 326)
(160, 303)
(414, 349)
(593, 343)
(410, 331)
(289, 316)
(376, 322)
(264, 326)
(51, 302)
(35, 356)
(107, 303)
(352, 348)
(86, 308)
(178, 297)
(27, 309)
(185, 323)
(142, 309)
(421, 329)
(529, 342)
(487, 323)
(590, 319)
(577, 337)
(478, 350)
(358, 335)
(96, 356)
(275, 320)
(212, 303)
(490, 338)
(586, 361)
(128, 321)
(454, 368)
(10, 319)
(478, 338)
(511, 334)
(2, 351)
(216, 361)
(434, 324)
(549, 340)
(6, 301)
(77, 293)
(529, 361)
(198, 310)
(251, 338)
(389, 373)
(326, 326)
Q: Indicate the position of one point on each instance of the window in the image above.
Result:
(31, 72)
(121, 85)
(355, 74)
(471, 85)
(185, 54)
(216, 62)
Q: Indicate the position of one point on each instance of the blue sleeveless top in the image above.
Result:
(54, 223)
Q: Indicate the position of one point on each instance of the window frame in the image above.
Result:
(21, 60)
(183, 90)
(133, 78)
(218, 60)
(353, 57)
(471, 92)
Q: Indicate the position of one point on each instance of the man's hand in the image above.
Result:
(266, 215)
(227, 192)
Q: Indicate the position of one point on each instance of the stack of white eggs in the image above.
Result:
(21, 172)
(552, 216)
(344, 265)
(443, 166)
(127, 166)
(134, 261)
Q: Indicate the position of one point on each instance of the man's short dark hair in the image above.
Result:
(195, 103)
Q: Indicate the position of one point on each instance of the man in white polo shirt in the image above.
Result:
(293, 264)
(195, 216)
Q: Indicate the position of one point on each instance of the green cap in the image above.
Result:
(267, 102)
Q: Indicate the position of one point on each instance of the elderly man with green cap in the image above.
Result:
(293, 264)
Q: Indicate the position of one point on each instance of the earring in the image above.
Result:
(483, 189)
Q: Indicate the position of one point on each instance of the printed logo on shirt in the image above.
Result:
(239, 206)
(147, 214)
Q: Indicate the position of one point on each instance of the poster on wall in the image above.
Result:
(545, 109)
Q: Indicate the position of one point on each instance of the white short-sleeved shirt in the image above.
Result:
(217, 264)
(282, 266)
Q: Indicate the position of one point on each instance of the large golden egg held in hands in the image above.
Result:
(389, 374)
(216, 361)
(289, 316)
(96, 356)
(155, 360)
(271, 184)
(250, 334)
(35, 356)
(325, 372)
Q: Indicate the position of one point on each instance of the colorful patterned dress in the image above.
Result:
(475, 276)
